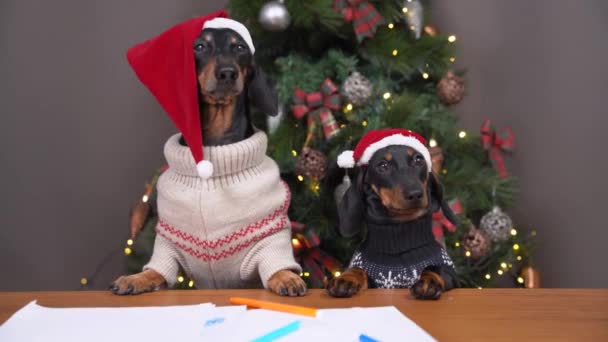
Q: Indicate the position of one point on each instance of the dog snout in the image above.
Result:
(226, 74)
(414, 195)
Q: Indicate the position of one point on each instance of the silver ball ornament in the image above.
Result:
(357, 89)
(496, 224)
(274, 16)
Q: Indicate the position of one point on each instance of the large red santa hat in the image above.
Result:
(375, 140)
(165, 65)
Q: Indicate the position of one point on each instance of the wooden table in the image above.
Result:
(460, 315)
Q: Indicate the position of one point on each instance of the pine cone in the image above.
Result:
(450, 89)
(477, 243)
(311, 163)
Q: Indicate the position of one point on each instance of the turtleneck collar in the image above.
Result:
(398, 237)
(226, 159)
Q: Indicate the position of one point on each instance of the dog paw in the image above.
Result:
(430, 286)
(287, 283)
(146, 281)
(347, 284)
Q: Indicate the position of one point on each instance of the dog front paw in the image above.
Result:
(287, 283)
(430, 286)
(348, 283)
(145, 281)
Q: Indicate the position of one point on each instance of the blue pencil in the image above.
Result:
(282, 331)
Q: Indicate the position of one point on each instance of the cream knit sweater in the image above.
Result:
(229, 231)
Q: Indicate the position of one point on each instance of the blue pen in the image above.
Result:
(273, 335)
(365, 338)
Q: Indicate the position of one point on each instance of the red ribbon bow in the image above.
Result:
(496, 143)
(308, 254)
(440, 221)
(363, 14)
(318, 105)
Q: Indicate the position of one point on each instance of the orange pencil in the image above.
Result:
(294, 309)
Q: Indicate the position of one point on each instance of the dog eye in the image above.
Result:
(382, 166)
(239, 47)
(200, 47)
(418, 160)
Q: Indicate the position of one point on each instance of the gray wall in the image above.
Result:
(80, 135)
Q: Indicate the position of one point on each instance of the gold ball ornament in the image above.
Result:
(450, 89)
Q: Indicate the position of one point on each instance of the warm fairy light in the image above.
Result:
(433, 143)
(452, 38)
(479, 287)
(488, 276)
(425, 75)
(301, 274)
(519, 258)
(520, 280)
(404, 9)
(364, 123)
(515, 247)
(500, 272)
(444, 171)
(145, 198)
(395, 52)
(191, 283)
(533, 233)
(457, 244)
(391, 26)
(337, 274)
(342, 125)
(413, 28)
(300, 178)
(128, 251)
(294, 153)
(129, 242)
(467, 254)
(462, 134)
(296, 243)
(452, 59)
(306, 274)
(503, 264)
(83, 281)
(180, 279)
(386, 95)
(349, 107)
(513, 231)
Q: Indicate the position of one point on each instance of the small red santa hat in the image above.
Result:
(165, 65)
(375, 140)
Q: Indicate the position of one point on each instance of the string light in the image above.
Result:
(395, 52)
(488, 276)
(145, 198)
(467, 254)
(294, 153)
(519, 258)
(301, 274)
(515, 247)
(452, 38)
(348, 107)
(296, 243)
(364, 123)
(306, 274)
(180, 279)
(533, 233)
(425, 75)
(462, 134)
(503, 264)
(191, 283)
(386, 95)
(513, 232)
(342, 125)
(452, 59)
(432, 142)
(83, 281)
(128, 251)
(391, 26)
(129, 242)
(412, 27)
(457, 244)
(337, 274)
(404, 9)
(300, 178)
(500, 272)
(444, 171)
(520, 280)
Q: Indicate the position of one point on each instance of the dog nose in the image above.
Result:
(414, 195)
(226, 74)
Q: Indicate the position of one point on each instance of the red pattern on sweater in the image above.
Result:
(243, 232)
(230, 251)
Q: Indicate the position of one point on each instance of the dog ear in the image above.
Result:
(437, 200)
(351, 208)
(261, 92)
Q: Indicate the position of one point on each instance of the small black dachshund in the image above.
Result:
(229, 83)
(395, 195)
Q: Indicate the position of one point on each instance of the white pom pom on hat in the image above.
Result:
(205, 169)
(375, 140)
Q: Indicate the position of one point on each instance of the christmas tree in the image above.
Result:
(341, 68)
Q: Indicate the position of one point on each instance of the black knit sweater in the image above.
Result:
(394, 253)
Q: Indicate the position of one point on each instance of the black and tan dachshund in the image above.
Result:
(229, 83)
(395, 196)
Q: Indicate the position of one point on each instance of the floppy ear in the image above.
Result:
(351, 209)
(261, 92)
(437, 201)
